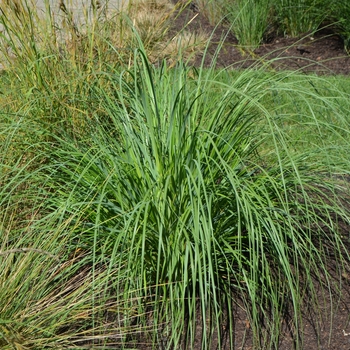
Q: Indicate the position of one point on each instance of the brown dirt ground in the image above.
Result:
(321, 53)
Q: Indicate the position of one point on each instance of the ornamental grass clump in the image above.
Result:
(296, 18)
(249, 21)
(140, 204)
(191, 185)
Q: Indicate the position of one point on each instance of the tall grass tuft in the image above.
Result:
(339, 13)
(300, 17)
(141, 204)
(195, 190)
(249, 21)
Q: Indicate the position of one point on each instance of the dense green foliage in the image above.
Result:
(139, 204)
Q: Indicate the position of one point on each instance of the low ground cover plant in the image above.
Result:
(140, 203)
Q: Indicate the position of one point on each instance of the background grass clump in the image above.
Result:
(253, 21)
(297, 18)
(250, 20)
(141, 202)
(340, 13)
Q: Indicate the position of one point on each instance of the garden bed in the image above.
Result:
(322, 52)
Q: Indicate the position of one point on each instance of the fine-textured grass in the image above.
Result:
(140, 203)
(340, 12)
(50, 296)
(41, 43)
(300, 16)
(250, 20)
(198, 196)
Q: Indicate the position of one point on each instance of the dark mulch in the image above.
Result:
(323, 52)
